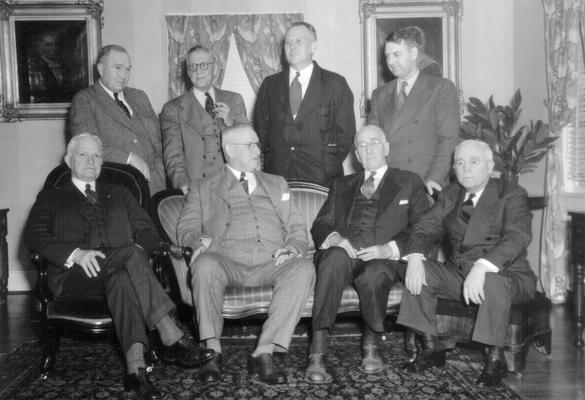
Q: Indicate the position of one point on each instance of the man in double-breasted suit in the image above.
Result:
(488, 225)
(304, 115)
(245, 230)
(360, 232)
(98, 240)
(121, 116)
(192, 123)
(418, 112)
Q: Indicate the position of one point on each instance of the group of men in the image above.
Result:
(376, 227)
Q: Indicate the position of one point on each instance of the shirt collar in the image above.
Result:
(200, 95)
(477, 196)
(379, 174)
(250, 177)
(305, 74)
(409, 83)
(111, 94)
(80, 185)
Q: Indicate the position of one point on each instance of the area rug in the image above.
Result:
(92, 370)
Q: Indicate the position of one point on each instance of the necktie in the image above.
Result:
(467, 208)
(90, 195)
(121, 104)
(401, 97)
(295, 94)
(244, 182)
(209, 105)
(368, 188)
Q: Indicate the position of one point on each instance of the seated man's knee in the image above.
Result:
(374, 275)
(205, 265)
(332, 260)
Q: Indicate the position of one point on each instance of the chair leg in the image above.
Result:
(542, 343)
(151, 356)
(411, 344)
(49, 345)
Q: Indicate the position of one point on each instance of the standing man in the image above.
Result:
(121, 116)
(360, 232)
(245, 230)
(98, 241)
(488, 225)
(304, 115)
(418, 112)
(192, 123)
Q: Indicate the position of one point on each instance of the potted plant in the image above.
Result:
(515, 150)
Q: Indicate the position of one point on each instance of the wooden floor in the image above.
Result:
(562, 377)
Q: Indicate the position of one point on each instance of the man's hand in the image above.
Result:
(285, 253)
(222, 110)
(337, 240)
(415, 274)
(375, 252)
(205, 244)
(473, 284)
(87, 259)
(185, 189)
(141, 165)
(432, 185)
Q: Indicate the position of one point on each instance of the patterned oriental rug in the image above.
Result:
(92, 370)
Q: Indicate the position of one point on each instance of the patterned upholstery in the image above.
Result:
(244, 302)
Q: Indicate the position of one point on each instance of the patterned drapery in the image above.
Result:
(258, 38)
(563, 50)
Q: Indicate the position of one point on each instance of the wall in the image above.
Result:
(495, 61)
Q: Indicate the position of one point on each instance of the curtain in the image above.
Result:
(562, 52)
(258, 37)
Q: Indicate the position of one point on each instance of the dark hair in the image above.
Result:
(310, 27)
(108, 49)
(411, 35)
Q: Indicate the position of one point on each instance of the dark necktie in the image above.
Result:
(401, 97)
(209, 105)
(121, 104)
(467, 208)
(90, 195)
(295, 94)
(368, 188)
(244, 182)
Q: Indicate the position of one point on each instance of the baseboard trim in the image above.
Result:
(21, 281)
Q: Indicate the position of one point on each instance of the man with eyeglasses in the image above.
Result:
(488, 225)
(192, 123)
(360, 232)
(246, 230)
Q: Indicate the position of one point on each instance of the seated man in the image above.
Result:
(360, 231)
(98, 240)
(245, 230)
(488, 225)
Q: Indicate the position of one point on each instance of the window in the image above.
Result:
(574, 145)
(236, 80)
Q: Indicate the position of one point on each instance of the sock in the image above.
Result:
(370, 336)
(319, 341)
(213, 344)
(169, 331)
(135, 358)
(263, 348)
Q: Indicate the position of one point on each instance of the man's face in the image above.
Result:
(243, 150)
(114, 70)
(49, 47)
(371, 148)
(85, 160)
(201, 67)
(472, 167)
(401, 59)
(299, 46)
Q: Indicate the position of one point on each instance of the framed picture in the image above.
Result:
(47, 53)
(439, 22)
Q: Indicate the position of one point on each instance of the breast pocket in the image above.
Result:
(325, 118)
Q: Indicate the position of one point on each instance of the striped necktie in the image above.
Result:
(90, 195)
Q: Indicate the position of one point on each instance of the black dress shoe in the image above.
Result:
(424, 360)
(263, 367)
(141, 386)
(316, 372)
(211, 372)
(372, 359)
(493, 372)
(186, 353)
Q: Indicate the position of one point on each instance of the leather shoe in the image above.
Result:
(211, 372)
(141, 386)
(263, 367)
(186, 353)
(493, 372)
(316, 372)
(424, 360)
(372, 360)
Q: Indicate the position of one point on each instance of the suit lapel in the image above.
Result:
(193, 113)
(312, 94)
(348, 196)
(483, 212)
(388, 191)
(283, 96)
(110, 106)
(414, 102)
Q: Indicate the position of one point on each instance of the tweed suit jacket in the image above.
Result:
(184, 124)
(499, 230)
(94, 111)
(313, 145)
(207, 210)
(424, 133)
(57, 225)
(402, 203)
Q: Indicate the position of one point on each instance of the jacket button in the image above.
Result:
(292, 148)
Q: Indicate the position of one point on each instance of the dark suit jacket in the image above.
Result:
(184, 123)
(424, 133)
(56, 225)
(94, 111)
(312, 146)
(499, 230)
(402, 203)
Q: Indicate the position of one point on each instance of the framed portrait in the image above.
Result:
(439, 23)
(47, 54)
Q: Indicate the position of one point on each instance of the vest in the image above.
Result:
(363, 219)
(212, 155)
(97, 236)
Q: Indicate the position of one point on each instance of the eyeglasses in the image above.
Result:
(251, 146)
(202, 66)
(472, 163)
(370, 143)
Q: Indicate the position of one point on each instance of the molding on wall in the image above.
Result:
(21, 281)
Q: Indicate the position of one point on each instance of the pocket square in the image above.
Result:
(285, 197)
(401, 202)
